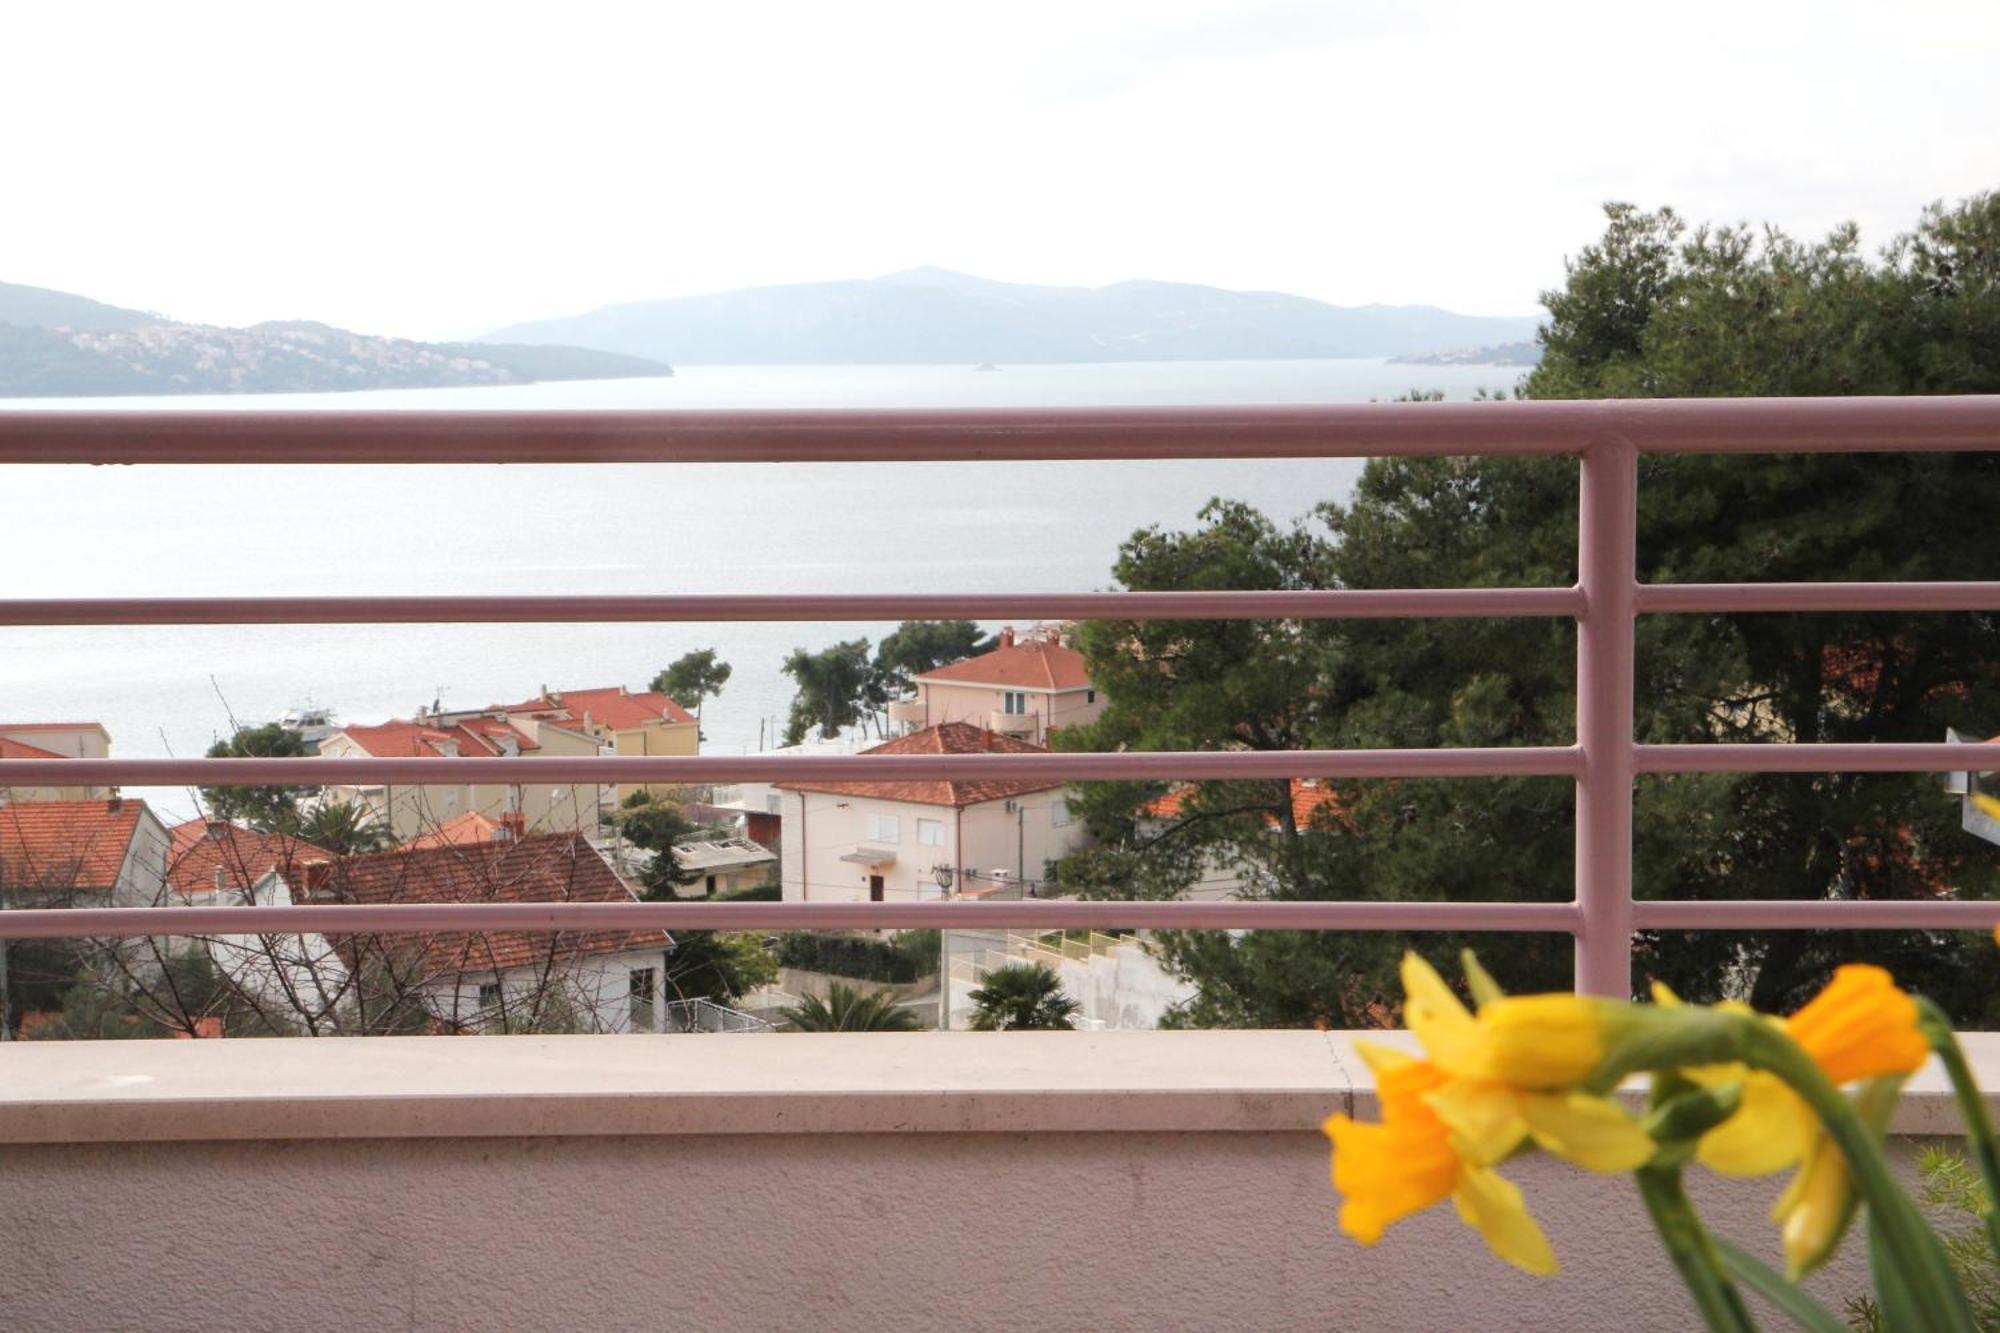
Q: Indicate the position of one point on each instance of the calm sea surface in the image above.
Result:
(817, 528)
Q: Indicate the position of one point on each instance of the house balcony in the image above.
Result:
(1013, 724)
(1102, 1180)
(906, 713)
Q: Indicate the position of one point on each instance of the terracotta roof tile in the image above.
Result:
(946, 738)
(10, 749)
(201, 847)
(612, 706)
(1031, 664)
(400, 738)
(1312, 802)
(66, 844)
(555, 867)
(456, 832)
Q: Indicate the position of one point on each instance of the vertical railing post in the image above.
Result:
(1607, 571)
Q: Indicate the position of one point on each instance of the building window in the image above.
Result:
(1090, 696)
(489, 995)
(641, 990)
(1014, 703)
(885, 828)
(1059, 812)
(930, 832)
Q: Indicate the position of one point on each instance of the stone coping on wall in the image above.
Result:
(751, 1083)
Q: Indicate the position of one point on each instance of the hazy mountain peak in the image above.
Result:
(936, 315)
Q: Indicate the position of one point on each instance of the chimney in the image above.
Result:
(513, 826)
(318, 876)
(221, 879)
(216, 828)
(1007, 637)
(114, 805)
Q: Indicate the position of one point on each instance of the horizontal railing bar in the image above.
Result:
(1340, 430)
(1874, 757)
(425, 918)
(1164, 765)
(1680, 597)
(708, 608)
(1778, 914)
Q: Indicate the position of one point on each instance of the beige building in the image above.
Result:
(885, 841)
(412, 810)
(629, 724)
(53, 740)
(1029, 686)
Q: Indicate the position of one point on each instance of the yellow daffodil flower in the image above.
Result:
(1537, 1042)
(1410, 1161)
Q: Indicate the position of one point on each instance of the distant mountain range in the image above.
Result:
(931, 315)
(55, 344)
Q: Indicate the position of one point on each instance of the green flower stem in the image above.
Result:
(1906, 1239)
(1971, 1108)
(1790, 1299)
(1687, 1243)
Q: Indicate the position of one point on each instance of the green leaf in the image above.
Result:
(1786, 1296)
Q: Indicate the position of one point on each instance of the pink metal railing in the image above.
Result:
(1607, 437)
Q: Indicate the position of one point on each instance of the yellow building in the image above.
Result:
(53, 741)
(631, 724)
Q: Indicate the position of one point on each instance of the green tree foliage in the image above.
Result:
(345, 829)
(719, 966)
(692, 678)
(656, 824)
(836, 689)
(1653, 309)
(846, 1009)
(266, 809)
(919, 646)
(1021, 996)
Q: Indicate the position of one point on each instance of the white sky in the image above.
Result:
(435, 170)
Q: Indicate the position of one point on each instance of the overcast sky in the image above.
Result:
(434, 170)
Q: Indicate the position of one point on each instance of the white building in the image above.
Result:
(880, 841)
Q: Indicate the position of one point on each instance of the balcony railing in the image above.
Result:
(1607, 438)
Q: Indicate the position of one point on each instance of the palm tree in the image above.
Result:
(343, 828)
(1021, 995)
(846, 1009)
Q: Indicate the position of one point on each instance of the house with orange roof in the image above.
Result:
(499, 980)
(628, 723)
(1027, 687)
(1315, 804)
(908, 839)
(296, 980)
(413, 810)
(54, 740)
(95, 853)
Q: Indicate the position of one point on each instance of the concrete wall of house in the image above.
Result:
(597, 991)
(833, 826)
(1021, 841)
(995, 838)
(1109, 1231)
(1122, 989)
(952, 702)
(655, 738)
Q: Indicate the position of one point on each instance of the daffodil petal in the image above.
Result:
(1769, 1132)
(1433, 1013)
(1492, 1206)
(1815, 1209)
(1484, 1118)
(1663, 995)
(1384, 1176)
(1593, 1132)
(1381, 1059)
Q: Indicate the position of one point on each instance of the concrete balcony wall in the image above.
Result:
(1101, 1181)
